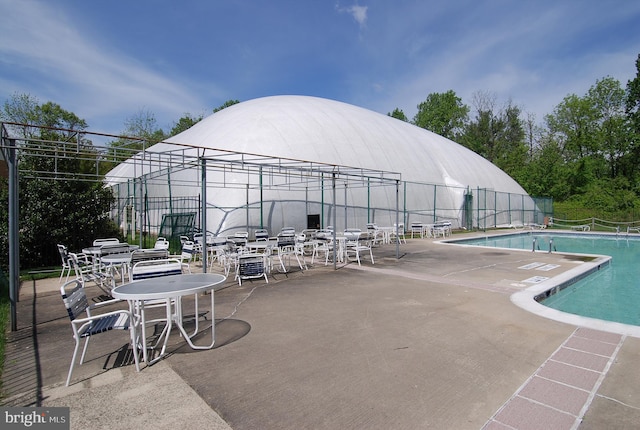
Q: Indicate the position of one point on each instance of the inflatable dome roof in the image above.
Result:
(327, 131)
(322, 130)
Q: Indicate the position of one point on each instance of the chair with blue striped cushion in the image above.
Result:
(186, 256)
(155, 268)
(75, 300)
(150, 269)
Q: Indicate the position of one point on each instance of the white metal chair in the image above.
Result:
(251, 266)
(262, 234)
(75, 300)
(286, 248)
(187, 255)
(417, 229)
(100, 242)
(86, 271)
(146, 255)
(356, 245)
(376, 234)
(111, 249)
(148, 269)
(66, 264)
(397, 234)
(161, 243)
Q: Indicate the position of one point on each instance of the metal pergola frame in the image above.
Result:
(285, 173)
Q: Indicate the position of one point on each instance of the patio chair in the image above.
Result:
(66, 264)
(186, 255)
(262, 234)
(148, 269)
(376, 234)
(110, 249)
(154, 268)
(356, 245)
(100, 242)
(417, 229)
(75, 300)
(161, 243)
(324, 246)
(397, 234)
(86, 271)
(251, 266)
(147, 255)
(286, 248)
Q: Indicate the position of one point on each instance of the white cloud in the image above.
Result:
(359, 13)
(62, 64)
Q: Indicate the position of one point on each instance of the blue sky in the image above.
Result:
(107, 61)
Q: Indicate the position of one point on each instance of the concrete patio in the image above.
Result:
(431, 340)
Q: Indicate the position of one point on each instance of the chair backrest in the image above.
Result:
(155, 269)
(148, 254)
(262, 234)
(187, 250)
(74, 298)
(115, 248)
(99, 242)
(161, 243)
(77, 261)
(251, 265)
(286, 238)
(352, 233)
(287, 231)
(64, 254)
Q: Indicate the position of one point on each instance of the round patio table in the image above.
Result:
(170, 289)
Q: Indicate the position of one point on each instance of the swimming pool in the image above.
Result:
(610, 294)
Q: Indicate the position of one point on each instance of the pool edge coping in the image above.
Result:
(526, 299)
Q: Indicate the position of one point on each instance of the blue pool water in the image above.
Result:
(611, 294)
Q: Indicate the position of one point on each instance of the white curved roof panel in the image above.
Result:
(327, 131)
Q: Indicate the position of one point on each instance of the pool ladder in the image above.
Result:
(551, 247)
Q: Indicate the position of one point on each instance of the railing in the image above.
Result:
(596, 224)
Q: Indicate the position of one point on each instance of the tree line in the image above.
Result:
(587, 151)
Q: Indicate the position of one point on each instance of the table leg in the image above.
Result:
(213, 327)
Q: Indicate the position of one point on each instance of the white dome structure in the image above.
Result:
(437, 174)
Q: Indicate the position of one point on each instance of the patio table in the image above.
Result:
(123, 260)
(170, 289)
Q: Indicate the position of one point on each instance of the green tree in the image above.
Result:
(398, 114)
(612, 125)
(141, 131)
(497, 135)
(632, 110)
(225, 105)
(632, 102)
(545, 174)
(442, 113)
(72, 211)
(184, 123)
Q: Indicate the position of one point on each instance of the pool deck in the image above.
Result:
(430, 340)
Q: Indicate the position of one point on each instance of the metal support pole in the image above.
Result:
(346, 225)
(14, 244)
(261, 201)
(397, 219)
(247, 214)
(335, 249)
(203, 216)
